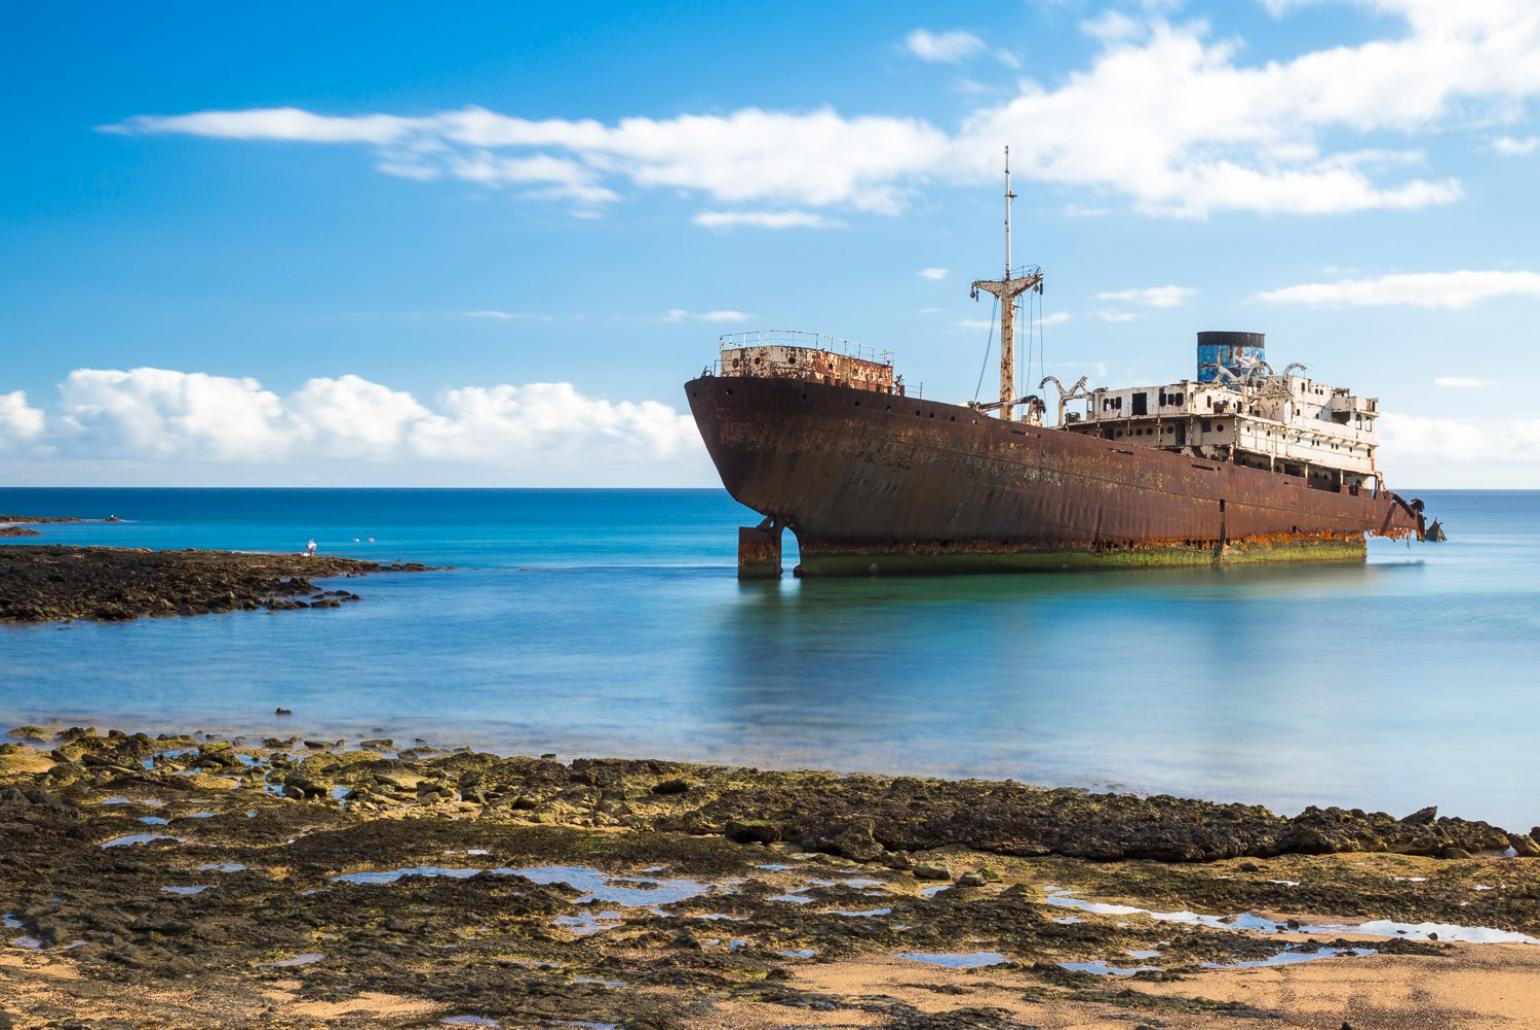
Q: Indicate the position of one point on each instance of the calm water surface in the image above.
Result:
(610, 623)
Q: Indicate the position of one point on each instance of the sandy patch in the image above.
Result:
(1478, 988)
(370, 1003)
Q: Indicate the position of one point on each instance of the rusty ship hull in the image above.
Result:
(873, 482)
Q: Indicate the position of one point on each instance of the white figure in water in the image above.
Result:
(310, 549)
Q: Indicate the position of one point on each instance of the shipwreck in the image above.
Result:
(1238, 464)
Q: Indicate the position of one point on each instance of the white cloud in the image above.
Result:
(550, 422)
(1458, 382)
(932, 273)
(1056, 318)
(554, 177)
(942, 47)
(766, 220)
(161, 413)
(1516, 147)
(1454, 290)
(168, 421)
(1163, 115)
(1112, 27)
(722, 315)
(504, 316)
(1152, 296)
(1460, 439)
(353, 417)
(1116, 316)
(1430, 451)
(18, 420)
(975, 323)
(272, 123)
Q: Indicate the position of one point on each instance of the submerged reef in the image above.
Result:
(56, 583)
(188, 880)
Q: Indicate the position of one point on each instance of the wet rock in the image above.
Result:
(1453, 852)
(40, 584)
(684, 940)
(499, 944)
(296, 785)
(1423, 816)
(283, 711)
(1524, 846)
(669, 787)
(853, 840)
(752, 831)
(377, 744)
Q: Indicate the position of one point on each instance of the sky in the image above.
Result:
(393, 244)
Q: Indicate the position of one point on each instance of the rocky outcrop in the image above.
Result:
(55, 583)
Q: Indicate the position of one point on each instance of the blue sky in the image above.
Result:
(375, 244)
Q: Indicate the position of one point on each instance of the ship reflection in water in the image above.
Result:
(611, 622)
(1257, 683)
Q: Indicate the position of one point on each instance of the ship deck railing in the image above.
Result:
(805, 339)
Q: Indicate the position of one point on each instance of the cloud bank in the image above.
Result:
(1453, 290)
(174, 421)
(1165, 118)
(151, 426)
(1483, 444)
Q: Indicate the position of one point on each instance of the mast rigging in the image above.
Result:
(1007, 289)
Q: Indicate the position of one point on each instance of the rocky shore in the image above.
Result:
(192, 881)
(52, 583)
(21, 525)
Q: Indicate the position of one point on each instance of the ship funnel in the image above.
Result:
(1234, 351)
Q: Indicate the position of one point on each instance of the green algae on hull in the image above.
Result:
(961, 559)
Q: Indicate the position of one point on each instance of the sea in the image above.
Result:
(611, 622)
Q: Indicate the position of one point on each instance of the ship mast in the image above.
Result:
(1008, 288)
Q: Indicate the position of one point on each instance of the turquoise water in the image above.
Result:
(611, 623)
